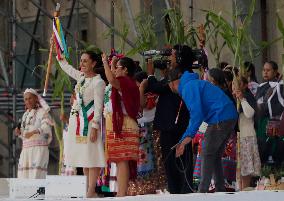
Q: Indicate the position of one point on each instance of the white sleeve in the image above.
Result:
(45, 124)
(247, 109)
(22, 125)
(99, 91)
(70, 70)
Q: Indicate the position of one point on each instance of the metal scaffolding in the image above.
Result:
(11, 100)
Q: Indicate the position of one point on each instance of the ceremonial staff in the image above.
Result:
(58, 40)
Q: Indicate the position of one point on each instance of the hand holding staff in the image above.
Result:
(48, 70)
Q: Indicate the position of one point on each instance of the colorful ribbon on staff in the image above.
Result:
(61, 47)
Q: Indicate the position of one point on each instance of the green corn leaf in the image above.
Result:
(280, 26)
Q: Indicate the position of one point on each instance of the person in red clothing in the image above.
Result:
(122, 132)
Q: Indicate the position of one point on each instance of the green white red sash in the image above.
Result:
(86, 114)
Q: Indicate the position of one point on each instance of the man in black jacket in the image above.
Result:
(171, 119)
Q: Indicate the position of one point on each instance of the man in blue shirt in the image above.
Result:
(206, 103)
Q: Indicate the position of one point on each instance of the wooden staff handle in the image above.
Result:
(48, 70)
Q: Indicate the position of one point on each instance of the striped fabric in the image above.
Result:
(35, 142)
(33, 162)
(197, 168)
(125, 148)
(86, 114)
(59, 39)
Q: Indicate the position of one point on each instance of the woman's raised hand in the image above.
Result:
(104, 57)
(114, 61)
(62, 60)
(238, 94)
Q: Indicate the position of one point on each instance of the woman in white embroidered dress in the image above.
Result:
(84, 147)
(35, 132)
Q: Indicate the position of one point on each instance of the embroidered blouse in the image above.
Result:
(94, 91)
(36, 119)
(107, 102)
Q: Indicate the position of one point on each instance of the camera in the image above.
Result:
(161, 64)
(163, 52)
(198, 55)
(199, 58)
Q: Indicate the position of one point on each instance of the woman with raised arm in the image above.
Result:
(35, 131)
(121, 111)
(84, 147)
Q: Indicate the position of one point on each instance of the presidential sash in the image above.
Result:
(85, 115)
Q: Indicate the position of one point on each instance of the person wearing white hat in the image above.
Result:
(35, 132)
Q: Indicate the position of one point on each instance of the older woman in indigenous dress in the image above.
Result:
(121, 111)
(35, 132)
(84, 147)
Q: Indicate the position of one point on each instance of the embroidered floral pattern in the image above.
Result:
(107, 102)
(249, 156)
(29, 119)
(80, 88)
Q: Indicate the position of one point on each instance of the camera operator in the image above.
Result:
(182, 58)
(207, 103)
(171, 120)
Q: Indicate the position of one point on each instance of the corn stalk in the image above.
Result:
(213, 38)
(280, 26)
(58, 128)
(237, 36)
(176, 30)
(60, 82)
(147, 38)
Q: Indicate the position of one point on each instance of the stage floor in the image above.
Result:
(240, 196)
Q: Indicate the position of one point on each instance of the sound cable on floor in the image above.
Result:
(34, 195)
(183, 170)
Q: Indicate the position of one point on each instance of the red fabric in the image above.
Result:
(151, 100)
(114, 53)
(130, 97)
(78, 125)
(58, 51)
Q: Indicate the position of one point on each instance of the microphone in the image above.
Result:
(19, 123)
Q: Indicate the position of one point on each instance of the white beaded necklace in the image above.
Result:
(29, 118)
(80, 88)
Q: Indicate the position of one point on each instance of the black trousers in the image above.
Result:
(177, 183)
(215, 140)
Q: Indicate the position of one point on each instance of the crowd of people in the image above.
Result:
(176, 130)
